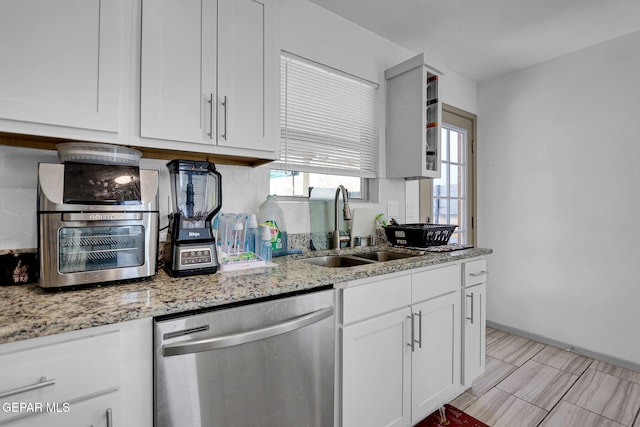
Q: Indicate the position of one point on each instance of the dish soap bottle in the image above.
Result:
(269, 213)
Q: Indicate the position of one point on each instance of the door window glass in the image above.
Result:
(449, 192)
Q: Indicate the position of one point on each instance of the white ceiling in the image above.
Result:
(479, 39)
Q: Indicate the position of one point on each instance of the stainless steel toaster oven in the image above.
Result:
(96, 223)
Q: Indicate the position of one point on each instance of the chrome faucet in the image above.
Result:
(337, 239)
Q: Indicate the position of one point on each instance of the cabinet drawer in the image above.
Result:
(475, 272)
(73, 368)
(375, 298)
(431, 283)
(93, 412)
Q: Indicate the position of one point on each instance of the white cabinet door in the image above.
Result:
(74, 366)
(61, 62)
(436, 362)
(375, 372)
(248, 75)
(178, 75)
(102, 411)
(92, 370)
(210, 73)
(137, 372)
(474, 332)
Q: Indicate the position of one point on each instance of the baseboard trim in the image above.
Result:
(581, 351)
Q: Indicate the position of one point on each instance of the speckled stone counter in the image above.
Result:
(28, 311)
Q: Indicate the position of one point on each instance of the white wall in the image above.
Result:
(459, 92)
(558, 200)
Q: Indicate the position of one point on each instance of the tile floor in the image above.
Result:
(527, 383)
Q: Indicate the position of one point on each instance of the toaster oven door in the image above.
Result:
(77, 250)
(95, 248)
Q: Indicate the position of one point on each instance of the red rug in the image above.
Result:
(453, 417)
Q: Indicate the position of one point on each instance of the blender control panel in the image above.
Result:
(195, 256)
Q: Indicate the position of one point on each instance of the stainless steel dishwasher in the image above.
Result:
(268, 364)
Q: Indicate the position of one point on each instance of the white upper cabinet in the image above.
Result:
(61, 62)
(248, 75)
(414, 116)
(178, 69)
(210, 73)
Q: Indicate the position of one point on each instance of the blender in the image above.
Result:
(196, 189)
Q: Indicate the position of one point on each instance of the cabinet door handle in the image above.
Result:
(44, 382)
(225, 104)
(109, 415)
(212, 107)
(471, 318)
(482, 273)
(412, 343)
(419, 341)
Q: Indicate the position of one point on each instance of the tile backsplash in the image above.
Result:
(243, 189)
(18, 183)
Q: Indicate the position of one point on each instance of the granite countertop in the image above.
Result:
(27, 311)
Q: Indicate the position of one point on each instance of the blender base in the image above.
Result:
(191, 259)
(194, 272)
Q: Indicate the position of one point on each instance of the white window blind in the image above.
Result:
(327, 120)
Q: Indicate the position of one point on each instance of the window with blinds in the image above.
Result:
(327, 120)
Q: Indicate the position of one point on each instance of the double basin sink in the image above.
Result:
(336, 261)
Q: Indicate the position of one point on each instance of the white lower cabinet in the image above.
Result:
(79, 378)
(400, 347)
(435, 367)
(474, 308)
(376, 374)
(101, 411)
(474, 332)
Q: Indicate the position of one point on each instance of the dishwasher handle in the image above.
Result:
(230, 340)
